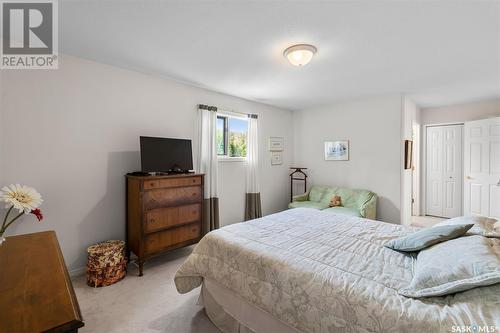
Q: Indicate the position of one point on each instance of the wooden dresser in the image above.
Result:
(163, 213)
(36, 294)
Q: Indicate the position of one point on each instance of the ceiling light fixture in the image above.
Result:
(300, 54)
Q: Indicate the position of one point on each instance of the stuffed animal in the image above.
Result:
(336, 201)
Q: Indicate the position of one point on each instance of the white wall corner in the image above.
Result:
(401, 162)
(76, 272)
(409, 117)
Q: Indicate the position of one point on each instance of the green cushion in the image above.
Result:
(307, 204)
(344, 211)
(363, 201)
(328, 195)
(427, 237)
(316, 193)
(351, 198)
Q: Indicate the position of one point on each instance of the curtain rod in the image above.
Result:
(214, 108)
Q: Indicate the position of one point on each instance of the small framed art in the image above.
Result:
(276, 143)
(337, 150)
(276, 158)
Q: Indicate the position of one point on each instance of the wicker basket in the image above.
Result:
(106, 263)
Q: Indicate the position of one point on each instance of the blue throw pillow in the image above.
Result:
(428, 237)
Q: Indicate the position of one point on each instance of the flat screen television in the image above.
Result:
(165, 155)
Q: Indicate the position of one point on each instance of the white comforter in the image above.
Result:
(321, 272)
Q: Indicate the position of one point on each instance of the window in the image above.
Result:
(231, 136)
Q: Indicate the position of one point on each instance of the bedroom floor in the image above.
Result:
(147, 304)
(425, 221)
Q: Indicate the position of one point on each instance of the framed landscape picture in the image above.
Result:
(337, 150)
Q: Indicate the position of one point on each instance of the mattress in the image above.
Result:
(321, 272)
(231, 314)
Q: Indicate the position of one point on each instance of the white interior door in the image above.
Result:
(482, 167)
(444, 171)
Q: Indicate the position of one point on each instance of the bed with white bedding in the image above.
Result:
(315, 271)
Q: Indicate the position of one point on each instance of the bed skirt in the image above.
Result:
(231, 314)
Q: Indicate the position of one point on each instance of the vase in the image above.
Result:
(2, 239)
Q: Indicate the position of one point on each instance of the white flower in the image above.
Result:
(23, 198)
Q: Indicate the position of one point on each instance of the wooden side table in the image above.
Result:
(35, 288)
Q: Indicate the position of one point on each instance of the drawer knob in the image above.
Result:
(152, 184)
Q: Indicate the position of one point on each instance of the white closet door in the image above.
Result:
(444, 171)
(482, 167)
(452, 171)
(434, 184)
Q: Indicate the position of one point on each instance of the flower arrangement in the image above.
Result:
(24, 199)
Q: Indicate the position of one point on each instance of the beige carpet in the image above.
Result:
(143, 304)
(425, 221)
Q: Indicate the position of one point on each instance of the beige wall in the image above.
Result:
(461, 112)
(73, 133)
(373, 128)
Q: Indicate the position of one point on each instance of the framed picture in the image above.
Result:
(408, 154)
(276, 143)
(337, 150)
(276, 158)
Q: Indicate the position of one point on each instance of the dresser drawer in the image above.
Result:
(162, 239)
(171, 197)
(161, 218)
(173, 182)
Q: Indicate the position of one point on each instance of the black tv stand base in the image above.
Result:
(177, 172)
(145, 174)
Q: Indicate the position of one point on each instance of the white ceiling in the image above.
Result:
(438, 52)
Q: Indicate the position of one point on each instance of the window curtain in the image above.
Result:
(207, 164)
(253, 207)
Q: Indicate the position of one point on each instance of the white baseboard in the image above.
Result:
(77, 271)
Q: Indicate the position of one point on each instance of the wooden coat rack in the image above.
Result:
(293, 176)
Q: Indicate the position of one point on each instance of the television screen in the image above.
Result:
(163, 155)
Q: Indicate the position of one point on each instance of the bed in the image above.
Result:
(304, 270)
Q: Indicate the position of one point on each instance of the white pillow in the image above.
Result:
(483, 226)
(455, 265)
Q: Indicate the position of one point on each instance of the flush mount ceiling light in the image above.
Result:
(300, 55)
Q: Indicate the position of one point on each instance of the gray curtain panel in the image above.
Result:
(253, 207)
(211, 215)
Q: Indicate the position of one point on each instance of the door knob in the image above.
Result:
(468, 177)
(498, 184)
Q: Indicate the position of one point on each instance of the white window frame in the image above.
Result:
(229, 114)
